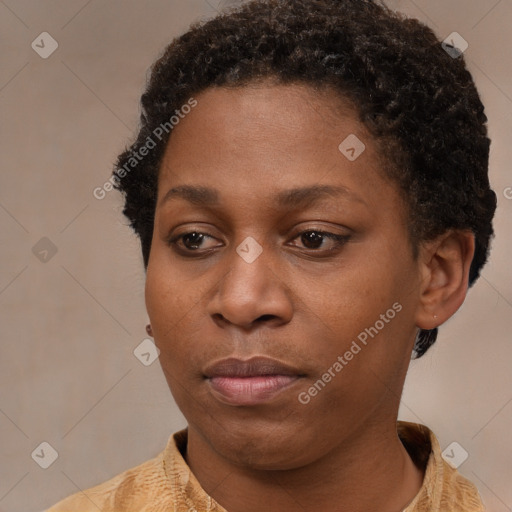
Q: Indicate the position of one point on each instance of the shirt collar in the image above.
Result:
(443, 487)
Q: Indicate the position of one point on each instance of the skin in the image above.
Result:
(299, 303)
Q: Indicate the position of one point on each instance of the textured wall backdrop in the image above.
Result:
(71, 275)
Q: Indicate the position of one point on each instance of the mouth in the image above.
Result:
(250, 382)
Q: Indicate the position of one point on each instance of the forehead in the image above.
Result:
(269, 107)
(250, 140)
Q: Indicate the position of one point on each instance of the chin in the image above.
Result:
(267, 447)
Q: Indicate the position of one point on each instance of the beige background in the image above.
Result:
(68, 375)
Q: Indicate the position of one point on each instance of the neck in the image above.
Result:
(370, 472)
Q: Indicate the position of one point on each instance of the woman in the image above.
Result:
(309, 184)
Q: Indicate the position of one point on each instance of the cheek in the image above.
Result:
(169, 294)
(368, 300)
(174, 306)
(167, 306)
(350, 297)
(161, 299)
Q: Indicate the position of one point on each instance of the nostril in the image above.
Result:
(217, 317)
(266, 317)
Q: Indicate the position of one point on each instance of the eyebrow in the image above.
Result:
(297, 197)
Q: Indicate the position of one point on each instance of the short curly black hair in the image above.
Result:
(414, 95)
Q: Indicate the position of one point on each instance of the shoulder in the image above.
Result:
(444, 488)
(130, 490)
(458, 493)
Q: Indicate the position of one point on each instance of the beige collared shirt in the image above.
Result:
(166, 484)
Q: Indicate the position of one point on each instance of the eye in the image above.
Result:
(191, 242)
(314, 239)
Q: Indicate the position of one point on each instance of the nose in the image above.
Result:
(251, 294)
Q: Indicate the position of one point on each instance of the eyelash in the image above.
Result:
(340, 240)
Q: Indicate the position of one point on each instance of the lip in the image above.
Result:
(250, 382)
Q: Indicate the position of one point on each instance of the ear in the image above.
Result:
(444, 266)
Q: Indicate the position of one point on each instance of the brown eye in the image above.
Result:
(314, 239)
(192, 240)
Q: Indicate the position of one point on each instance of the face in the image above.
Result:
(272, 242)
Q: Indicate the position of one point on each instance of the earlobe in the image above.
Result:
(444, 266)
